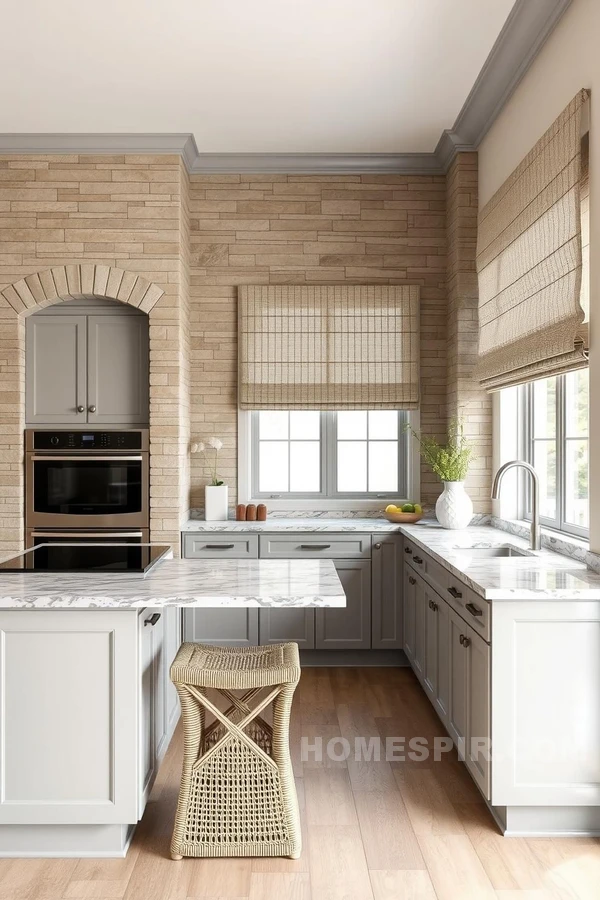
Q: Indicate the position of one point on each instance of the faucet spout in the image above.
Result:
(536, 535)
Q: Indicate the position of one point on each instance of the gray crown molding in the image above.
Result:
(526, 29)
(318, 163)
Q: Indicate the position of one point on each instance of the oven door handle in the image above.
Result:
(110, 538)
(83, 458)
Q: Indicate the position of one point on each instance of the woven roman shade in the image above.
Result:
(533, 301)
(328, 347)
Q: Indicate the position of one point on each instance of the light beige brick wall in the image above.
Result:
(465, 398)
(295, 229)
(97, 212)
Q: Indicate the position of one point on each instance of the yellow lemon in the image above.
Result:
(391, 508)
(418, 508)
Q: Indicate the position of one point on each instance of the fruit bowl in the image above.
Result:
(402, 518)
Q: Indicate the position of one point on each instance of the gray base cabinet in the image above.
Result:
(386, 595)
(348, 628)
(371, 577)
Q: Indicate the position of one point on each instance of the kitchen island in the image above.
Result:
(88, 709)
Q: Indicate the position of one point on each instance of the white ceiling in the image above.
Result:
(328, 76)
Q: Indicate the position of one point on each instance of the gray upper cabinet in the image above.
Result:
(56, 369)
(117, 384)
(348, 628)
(87, 369)
(387, 595)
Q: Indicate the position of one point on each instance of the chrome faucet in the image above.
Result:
(536, 535)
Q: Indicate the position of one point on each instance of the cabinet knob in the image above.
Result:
(80, 409)
(412, 580)
(92, 409)
(465, 641)
(407, 550)
(377, 546)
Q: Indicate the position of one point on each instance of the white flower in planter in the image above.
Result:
(215, 443)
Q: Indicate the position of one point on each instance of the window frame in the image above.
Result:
(408, 470)
(525, 418)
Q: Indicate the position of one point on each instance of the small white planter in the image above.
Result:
(454, 508)
(215, 502)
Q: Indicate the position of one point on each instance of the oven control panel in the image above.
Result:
(88, 440)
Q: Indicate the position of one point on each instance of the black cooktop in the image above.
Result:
(63, 557)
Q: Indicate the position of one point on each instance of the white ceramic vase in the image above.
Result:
(215, 502)
(454, 508)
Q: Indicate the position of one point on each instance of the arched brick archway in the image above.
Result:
(78, 282)
(83, 281)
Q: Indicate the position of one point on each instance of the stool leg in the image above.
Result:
(282, 709)
(193, 729)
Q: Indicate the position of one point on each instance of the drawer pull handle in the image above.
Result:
(474, 610)
(153, 619)
(407, 550)
(454, 593)
(219, 546)
(315, 546)
(418, 560)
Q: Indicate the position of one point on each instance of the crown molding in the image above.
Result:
(319, 163)
(525, 31)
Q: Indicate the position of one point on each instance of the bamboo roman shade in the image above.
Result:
(532, 308)
(328, 347)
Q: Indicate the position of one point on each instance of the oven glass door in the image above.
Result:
(107, 491)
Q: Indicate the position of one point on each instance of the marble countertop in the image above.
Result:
(182, 582)
(541, 575)
(278, 523)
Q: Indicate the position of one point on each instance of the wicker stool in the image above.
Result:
(237, 794)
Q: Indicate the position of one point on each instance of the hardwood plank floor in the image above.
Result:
(372, 830)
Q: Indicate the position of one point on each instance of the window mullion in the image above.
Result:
(561, 451)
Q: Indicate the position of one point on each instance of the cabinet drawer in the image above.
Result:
(312, 546)
(470, 606)
(430, 570)
(220, 546)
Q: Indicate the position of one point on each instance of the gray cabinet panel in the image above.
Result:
(478, 710)
(420, 610)
(220, 546)
(228, 627)
(277, 626)
(349, 628)
(458, 661)
(55, 370)
(387, 594)
(409, 612)
(314, 545)
(117, 390)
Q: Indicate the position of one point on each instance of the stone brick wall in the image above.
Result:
(79, 216)
(465, 398)
(295, 229)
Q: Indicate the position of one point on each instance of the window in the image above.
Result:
(555, 417)
(341, 455)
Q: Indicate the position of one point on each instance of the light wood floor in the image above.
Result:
(372, 831)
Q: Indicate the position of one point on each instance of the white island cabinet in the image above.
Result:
(88, 712)
(87, 706)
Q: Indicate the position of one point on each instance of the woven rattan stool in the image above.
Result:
(237, 794)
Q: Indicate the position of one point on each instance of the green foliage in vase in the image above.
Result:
(449, 461)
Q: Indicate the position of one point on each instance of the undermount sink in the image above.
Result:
(493, 552)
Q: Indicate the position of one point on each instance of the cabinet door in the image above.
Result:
(226, 627)
(173, 622)
(477, 755)
(348, 628)
(458, 666)
(386, 602)
(442, 697)
(117, 389)
(408, 612)
(66, 758)
(55, 370)
(420, 611)
(430, 656)
(277, 626)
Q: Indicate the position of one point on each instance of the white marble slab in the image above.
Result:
(341, 524)
(182, 582)
(543, 575)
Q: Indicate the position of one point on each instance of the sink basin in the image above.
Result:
(505, 550)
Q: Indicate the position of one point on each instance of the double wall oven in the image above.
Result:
(86, 486)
